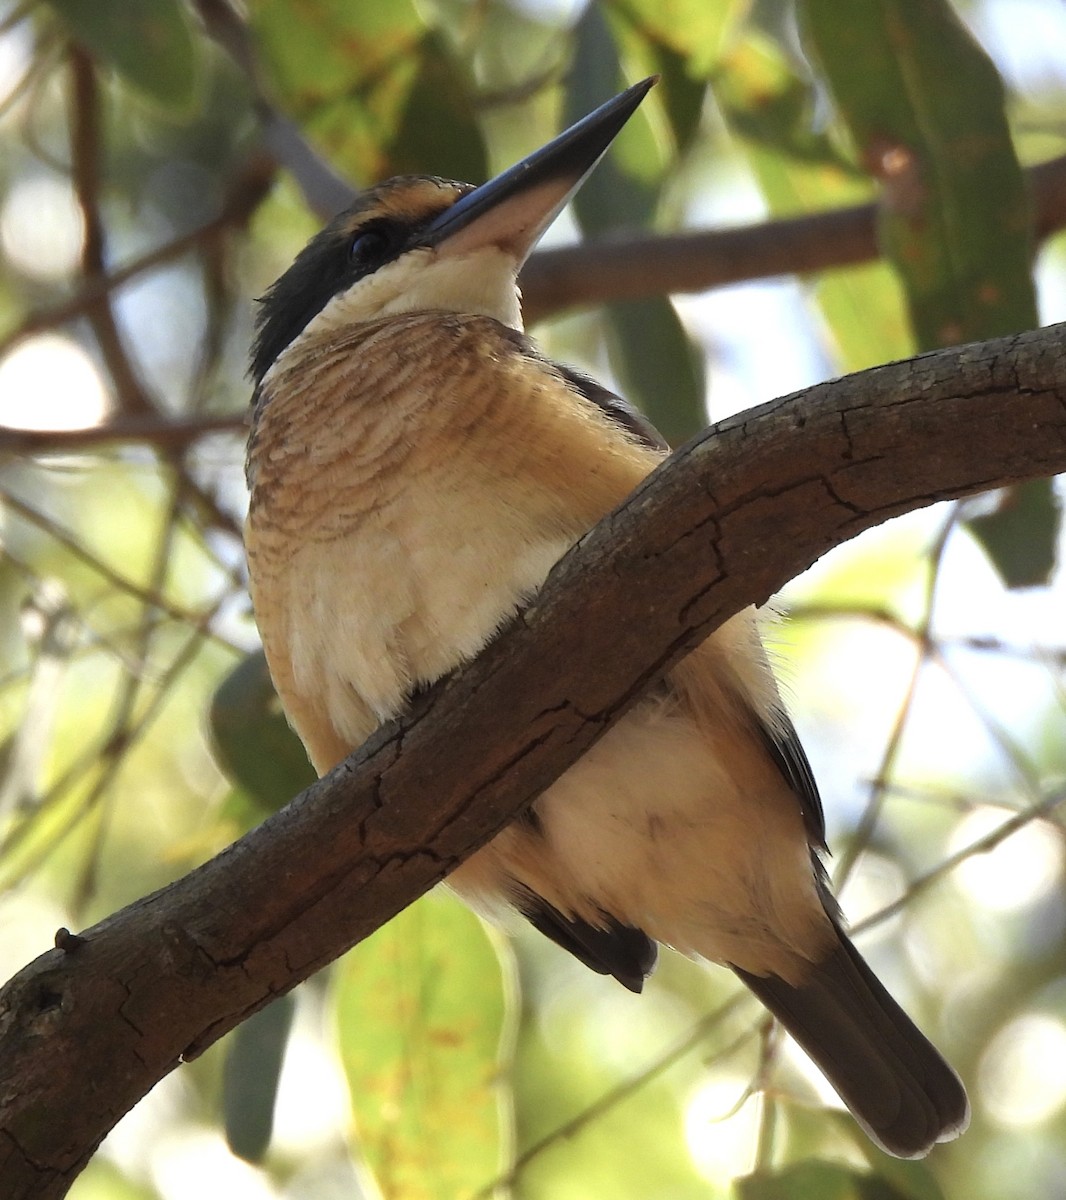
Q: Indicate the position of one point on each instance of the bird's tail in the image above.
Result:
(889, 1075)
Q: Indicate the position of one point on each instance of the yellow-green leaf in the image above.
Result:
(373, 86)
(924, 105)
(693, 29)
(422, 1014)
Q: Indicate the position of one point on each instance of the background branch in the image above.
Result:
(601, 271)
(629, 268)
(731, 517)
(85, 168)
(171, 433)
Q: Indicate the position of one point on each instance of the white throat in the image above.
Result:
(481, 282)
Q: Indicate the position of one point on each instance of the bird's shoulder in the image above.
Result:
(620, 411)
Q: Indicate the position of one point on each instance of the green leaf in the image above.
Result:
(771, 107)
(421, 1009)
(815, 1179)
(1021, 535)
(680, 41)
(693, 29)
(316, 49)
(682, 97)
(438, 131)
(148, 42)
(658, 366)
(925, 108)
(377, 91)
(621, 192)
(252, 738)
(256, 1050)
(770, 104)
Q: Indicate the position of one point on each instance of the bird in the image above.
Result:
(416, 466)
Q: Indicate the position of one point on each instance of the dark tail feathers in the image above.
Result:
(892, 1079)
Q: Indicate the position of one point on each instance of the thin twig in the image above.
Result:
(104, 759)
(85, 144)
(71, 543)
(249, 188)
(982, 845)
(622, 1091)
(102, 795)
(923, 636)
(155, 430)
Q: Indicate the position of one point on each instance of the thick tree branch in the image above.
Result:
(730, 518)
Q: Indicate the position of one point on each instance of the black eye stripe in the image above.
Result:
(353, 246)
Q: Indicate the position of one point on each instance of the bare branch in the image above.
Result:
(246, 193)
(85, 164)
(622, 268)
(629, 268)
(730, 518)
(170, 433)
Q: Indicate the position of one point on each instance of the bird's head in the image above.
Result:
(419, 243)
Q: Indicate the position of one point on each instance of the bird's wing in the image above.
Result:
(787, 752)
(781, 741)
(615, 949)
(630, 418)
(624, 414)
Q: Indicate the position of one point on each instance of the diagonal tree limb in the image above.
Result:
(89, 1027)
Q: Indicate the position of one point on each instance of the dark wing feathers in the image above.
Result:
(620, 411)
(619, 950)
(787, 751)
(631, 419)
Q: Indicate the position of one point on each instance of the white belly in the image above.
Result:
(403, 601)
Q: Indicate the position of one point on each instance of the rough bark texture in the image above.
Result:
(89, 1027)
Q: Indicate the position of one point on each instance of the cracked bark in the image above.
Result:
(90, 1026)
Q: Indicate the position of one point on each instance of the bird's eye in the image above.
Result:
(369, 247)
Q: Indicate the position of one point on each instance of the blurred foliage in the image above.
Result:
(139, 733)
(424, 1035)
(251, 1077)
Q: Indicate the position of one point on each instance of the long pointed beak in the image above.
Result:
(513, 210)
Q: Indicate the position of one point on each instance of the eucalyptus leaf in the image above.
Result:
(148, 42)
(256, 1051)
(925, 108)
(253, 740)
(424, 1032)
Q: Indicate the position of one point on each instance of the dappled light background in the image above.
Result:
(930, 694)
